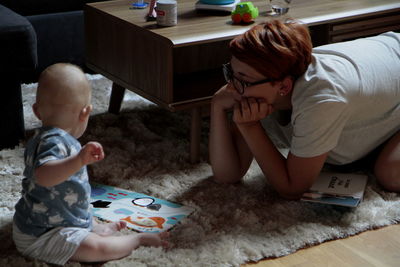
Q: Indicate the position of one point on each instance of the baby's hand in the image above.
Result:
(91, 152)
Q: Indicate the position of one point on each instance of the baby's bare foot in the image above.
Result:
(154, 239)
(109, 228)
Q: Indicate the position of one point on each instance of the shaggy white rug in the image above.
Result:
(147, 151)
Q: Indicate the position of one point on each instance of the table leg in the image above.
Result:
(117, 95)
(195, 133)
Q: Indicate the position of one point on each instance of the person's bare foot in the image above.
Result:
(108, 228)
(154, 239)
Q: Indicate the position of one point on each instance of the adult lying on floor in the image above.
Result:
(337, 104)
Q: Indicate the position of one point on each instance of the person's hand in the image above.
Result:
(226, 97)
(91, 152)
(251, 110)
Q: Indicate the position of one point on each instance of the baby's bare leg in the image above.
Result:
(108, 229)
(104, 248)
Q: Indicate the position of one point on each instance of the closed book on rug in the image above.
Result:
(142, 213)
(343, 189)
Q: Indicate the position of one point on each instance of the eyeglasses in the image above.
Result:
(239, 84)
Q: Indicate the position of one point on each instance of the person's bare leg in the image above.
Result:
(97, 248)
(387, 165)
(107, 229)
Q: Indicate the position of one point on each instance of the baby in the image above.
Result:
(53, 220)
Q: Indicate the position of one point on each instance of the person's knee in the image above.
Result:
(388, 175)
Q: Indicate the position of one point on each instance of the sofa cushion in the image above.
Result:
(18, 42)
(36, 7)
(60, 38)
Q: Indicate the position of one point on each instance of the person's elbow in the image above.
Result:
(226, 177)
(290, 196)
(292, 192)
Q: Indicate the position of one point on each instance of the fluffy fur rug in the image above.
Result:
(147, 151)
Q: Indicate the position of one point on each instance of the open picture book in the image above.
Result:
(141, 212)
(343, 189)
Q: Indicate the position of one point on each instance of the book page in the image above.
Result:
(342, 184)
(142, 213)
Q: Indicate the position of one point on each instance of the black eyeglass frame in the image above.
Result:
(229, 77)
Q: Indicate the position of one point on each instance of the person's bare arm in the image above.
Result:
(57, 171)
(230, 157)
(289, 176)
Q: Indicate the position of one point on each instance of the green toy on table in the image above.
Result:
(244, 12)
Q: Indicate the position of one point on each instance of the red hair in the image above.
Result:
(274, 48)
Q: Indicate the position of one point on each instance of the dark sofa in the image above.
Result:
(33, 35)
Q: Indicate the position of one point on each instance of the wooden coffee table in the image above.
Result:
(179, 68)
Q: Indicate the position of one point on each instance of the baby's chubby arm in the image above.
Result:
(91, 152)
(57, 171)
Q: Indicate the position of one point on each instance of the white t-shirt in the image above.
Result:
(348, 101)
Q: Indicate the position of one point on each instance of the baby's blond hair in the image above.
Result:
(63, 90)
